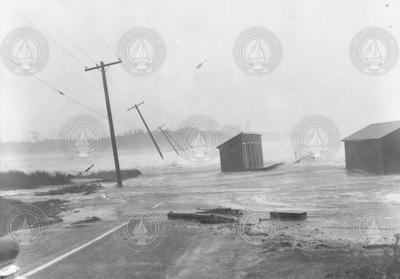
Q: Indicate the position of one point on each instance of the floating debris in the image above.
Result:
(288, 216)
(88, 220)
(75, 189)
(222, 210)
(202, 218)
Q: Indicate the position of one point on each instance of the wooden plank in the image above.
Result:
(202, 218)
(289, 216)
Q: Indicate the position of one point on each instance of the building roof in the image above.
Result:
(374, 131)
(241, 133)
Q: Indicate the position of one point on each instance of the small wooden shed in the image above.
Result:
(241, 153)
(375, 148)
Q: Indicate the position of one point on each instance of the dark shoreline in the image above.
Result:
(14, 179)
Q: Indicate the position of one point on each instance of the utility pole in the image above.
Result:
(136, 106)
(169, 141)
(102, 68)
(177, 144)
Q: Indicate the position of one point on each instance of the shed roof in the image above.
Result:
(374, 131)
(241, 133)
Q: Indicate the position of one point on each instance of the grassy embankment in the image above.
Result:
(20, 180)
(12, 180)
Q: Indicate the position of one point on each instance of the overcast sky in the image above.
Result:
(314, 76)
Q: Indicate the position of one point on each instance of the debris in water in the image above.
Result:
(202, 218)
(88, 220)
(307, 157)
(222, 210)
(75, 189)
(288, 216)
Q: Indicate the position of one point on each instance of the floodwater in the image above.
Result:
(324, 189)
(341, 205)
(336, 200)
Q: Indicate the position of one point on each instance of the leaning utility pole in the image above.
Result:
(169, 141)
(136, 106)
(102, 67)
(177, 144)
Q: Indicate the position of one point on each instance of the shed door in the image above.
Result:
(256, 155)
(258, 150)
(245, 155)
(249, 155)
(252, 157)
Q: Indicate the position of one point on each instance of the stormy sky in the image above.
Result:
(314, 76)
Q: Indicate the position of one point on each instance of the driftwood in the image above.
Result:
(288, 216)
(222, 211)
(202, 218)
(378, 246)
(271, 167)
(267, 168)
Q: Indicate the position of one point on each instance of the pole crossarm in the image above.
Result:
(105, 65)
(135, 106)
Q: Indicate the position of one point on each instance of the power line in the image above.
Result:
(67, 96)
(58, 44)
(68, 38)
(53, 87)
(78, 60)
(81, 50)
(109, 47)
(74, 44)
(94, 30)
(85, 54)
(74, 100)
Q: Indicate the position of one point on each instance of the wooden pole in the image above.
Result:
(109, 114)
(136, 106)
(169, 141)
(177, 144)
